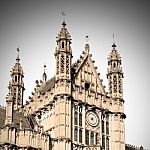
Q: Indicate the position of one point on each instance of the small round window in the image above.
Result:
(87, 86)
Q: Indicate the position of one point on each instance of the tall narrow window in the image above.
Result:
(92, 138)
(107, 127)
(96, 138)
(15, 78)
(103, 141)
(103, 130)
(19, 78)
(114, 65)
(80, 135)
(80, 119)
(62, 44)
(87, 137)
(107, 143)
(76, 118)
(76, 134)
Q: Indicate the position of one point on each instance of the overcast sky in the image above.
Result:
(34, 24)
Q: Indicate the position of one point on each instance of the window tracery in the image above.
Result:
(78, 121)
(62, 64)
(57, 64)
(67, 64)
(105, 132)
(120, 84)
(115, 83)
(110, 84)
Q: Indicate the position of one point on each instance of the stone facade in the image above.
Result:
(72, 110)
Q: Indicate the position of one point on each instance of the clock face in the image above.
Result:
(92, 118)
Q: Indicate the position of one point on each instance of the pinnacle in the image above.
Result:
(87, 46)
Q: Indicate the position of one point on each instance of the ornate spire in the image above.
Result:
(114, 72)
(64, 34)
(17, 68)
(114, 55)
(16, 85)
(63, 54)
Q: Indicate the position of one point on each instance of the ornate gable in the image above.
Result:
(86, 72)
(87, 80)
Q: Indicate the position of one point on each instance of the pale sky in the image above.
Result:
(34, 24)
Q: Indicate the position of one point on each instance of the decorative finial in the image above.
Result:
(18, 59)
(44, 67)
(114, 45)
(44, 74)
(87, 47)
(64, 24)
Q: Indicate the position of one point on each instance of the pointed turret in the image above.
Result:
(16, 84)
(63, 54)
(63, 90)
(115, 83)
(114, 73)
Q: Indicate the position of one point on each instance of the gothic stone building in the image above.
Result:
(71, 111)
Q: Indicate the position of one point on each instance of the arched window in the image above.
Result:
(80, 135)
(76, 118)
(114, 65)
(62, 44)
(80, 108)
(92, 138)
(15, 78)
(75, 134)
